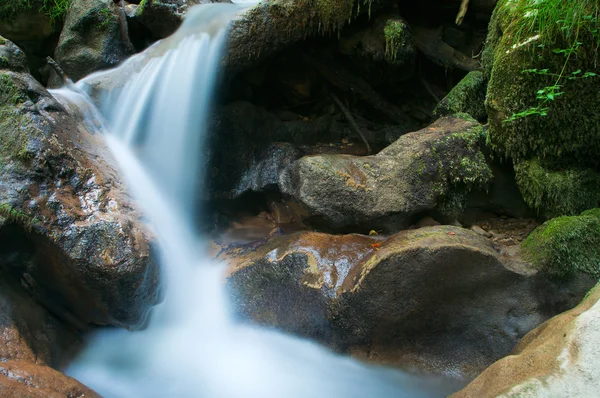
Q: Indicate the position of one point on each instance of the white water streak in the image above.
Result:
(192, 347)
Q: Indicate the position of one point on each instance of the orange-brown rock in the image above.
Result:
(20, 379)
(32, 343)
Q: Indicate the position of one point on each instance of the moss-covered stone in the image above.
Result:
(274, 24)
(55, 9)
(397, 36)
(16, 129)
(566, 245)
(460, 158)
(570, 133)
(555, 193)
(468, 96)
(592, 212)
(94, 37)
(430, 170)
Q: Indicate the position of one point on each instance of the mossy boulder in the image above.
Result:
(94, 37)
(557, 192)
(565, 246)
(431, 170)
(398, 40)
(570, 133)
(68, 229)
(29, 20)
(468, 96)
(273, 25)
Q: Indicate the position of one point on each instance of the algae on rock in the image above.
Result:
(555, 137)
(566, 245)
(559, 192)
(468, 96)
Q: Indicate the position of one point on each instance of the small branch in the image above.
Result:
(430, 90)
(61, 73)
(464, 6)
(430, 43)
(342, 78)
(351, 120)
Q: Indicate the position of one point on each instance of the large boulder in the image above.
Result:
(555, 191)
(430, 170)
(67, 227)
(32, 343)
(31, 20)
(566, 245)
(555, 137)
(273, 25)
(555, 159)
(440, 299)
(558, 359)
(94, 37)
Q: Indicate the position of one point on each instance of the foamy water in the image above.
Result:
(155, 127)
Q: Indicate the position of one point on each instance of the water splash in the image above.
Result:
(155, 126)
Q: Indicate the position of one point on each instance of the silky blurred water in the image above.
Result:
(155, 127)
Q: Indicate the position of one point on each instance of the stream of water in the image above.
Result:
(155, 126)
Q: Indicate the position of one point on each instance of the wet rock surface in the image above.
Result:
(33, 342)
(67, 227)
(439, 299)
(559, 358)
(25, 379)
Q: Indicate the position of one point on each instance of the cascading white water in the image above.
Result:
(192, 347)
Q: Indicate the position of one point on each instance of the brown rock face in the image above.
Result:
(32, 340)
(558, 359)
(25, 379)
(437, 298)
(67, 227)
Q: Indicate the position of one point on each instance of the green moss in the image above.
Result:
(592, 212)
(308, 16)
(55, 9)
(2, 41)
(590, 292)
(9, 93)
(565, 245)
(142, 6)
(556, 193)
(15, 128)
(460, 158)
(106, 15)
(396, 38)
(518, 42)
(11, 215)
(468, 96)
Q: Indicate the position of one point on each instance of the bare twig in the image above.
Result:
(61, 73)
(430, 90)
(464, 6)
(351, 120)
(430, 43)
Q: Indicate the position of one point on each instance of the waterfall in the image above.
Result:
(155, 126)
